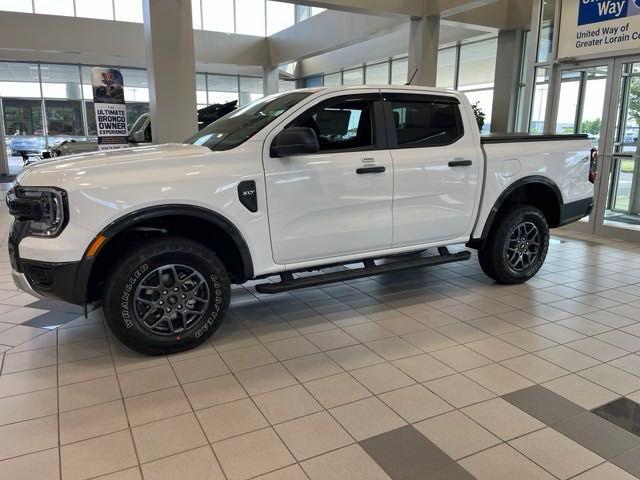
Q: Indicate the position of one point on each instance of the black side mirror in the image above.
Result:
(295, 141)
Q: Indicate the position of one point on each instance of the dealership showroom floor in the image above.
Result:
(430, 374)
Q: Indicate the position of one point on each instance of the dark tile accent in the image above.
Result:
(598, 435)
(57, 305)
(405, 453)
(629, 462)
(543, 404)
(623, 412)
(50, 320)
(452, 471)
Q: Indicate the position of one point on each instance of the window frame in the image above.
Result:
(378, 123)
(392, 135)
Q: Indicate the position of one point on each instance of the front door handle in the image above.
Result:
(460, 163)
(363, 170)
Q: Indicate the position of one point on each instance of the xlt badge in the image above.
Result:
(248, 196)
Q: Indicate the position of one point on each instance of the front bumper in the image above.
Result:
(22, 283)
(58, 280)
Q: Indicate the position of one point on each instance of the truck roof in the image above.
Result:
(408, 88)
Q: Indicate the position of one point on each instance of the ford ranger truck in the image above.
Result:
(292, 183)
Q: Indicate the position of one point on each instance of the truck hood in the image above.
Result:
(124, 165)
(157, 154)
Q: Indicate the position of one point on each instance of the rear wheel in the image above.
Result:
(517, 245)
(167, 296)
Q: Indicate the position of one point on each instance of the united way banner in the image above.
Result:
(591, 27)
(110, 108)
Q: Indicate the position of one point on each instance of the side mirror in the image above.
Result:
(295, 141)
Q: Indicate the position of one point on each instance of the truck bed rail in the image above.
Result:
(525, 137)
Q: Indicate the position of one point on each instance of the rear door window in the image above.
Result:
(425, 123)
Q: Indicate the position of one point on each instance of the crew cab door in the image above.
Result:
(337, 201)
(437, 163)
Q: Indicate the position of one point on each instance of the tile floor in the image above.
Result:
(432, 374)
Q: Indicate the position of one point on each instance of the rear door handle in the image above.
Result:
(460, 163)
(363, 170)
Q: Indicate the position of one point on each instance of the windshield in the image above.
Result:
(238, 126)
(138, 123)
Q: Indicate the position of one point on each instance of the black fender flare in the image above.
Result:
(522, 182)
(131, 219)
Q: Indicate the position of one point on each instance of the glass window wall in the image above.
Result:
(399, 69)
(313, 81)
(222, 88)
(250, 17)
(251, 88)
(545, 42)
(45, 103)
(477, 64)
(539, 103)
(332, 80)
(446, 77)
(217, 15)
(377, 74)
(128, 10)
(287, 85)
(354, 76)
(60, 81)
(136, 85)
(54, 7)
(280, 15)
(201, 90)
(101, 9)
(24, 6)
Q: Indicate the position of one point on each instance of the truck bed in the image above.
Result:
(526, 137)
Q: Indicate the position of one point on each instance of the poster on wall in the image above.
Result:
(594, 27)
(110, 108)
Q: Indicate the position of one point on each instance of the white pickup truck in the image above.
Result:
(294, 182)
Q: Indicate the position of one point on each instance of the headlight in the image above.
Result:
(45, 208)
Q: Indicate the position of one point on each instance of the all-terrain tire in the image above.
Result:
(517, 245)
(170, 275)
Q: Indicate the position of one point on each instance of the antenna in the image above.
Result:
(413, 76)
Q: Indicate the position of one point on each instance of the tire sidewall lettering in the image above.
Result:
(125, 298)
(213, 316)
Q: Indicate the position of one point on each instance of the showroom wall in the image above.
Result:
(248, 17)
(468, 67)
(47, 102)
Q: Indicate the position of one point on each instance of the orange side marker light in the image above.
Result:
(95, 245)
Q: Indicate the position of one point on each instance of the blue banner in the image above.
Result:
(594, 11)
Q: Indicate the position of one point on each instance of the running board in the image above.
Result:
(289, 282)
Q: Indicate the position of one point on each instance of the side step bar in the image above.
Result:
(289, 282)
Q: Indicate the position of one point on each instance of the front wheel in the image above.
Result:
(166, 296)
(517, 245)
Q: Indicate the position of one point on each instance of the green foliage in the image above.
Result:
(634, 100)
(480, 115)
(591, 127)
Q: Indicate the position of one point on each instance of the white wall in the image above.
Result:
(49, 38)
(383, 46)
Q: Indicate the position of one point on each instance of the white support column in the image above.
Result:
(424, 38)
(171, 68)
(506, 81)
(271, 83)
(4, 160)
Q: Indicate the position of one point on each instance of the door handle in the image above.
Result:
(460, 163)
(363, 170)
